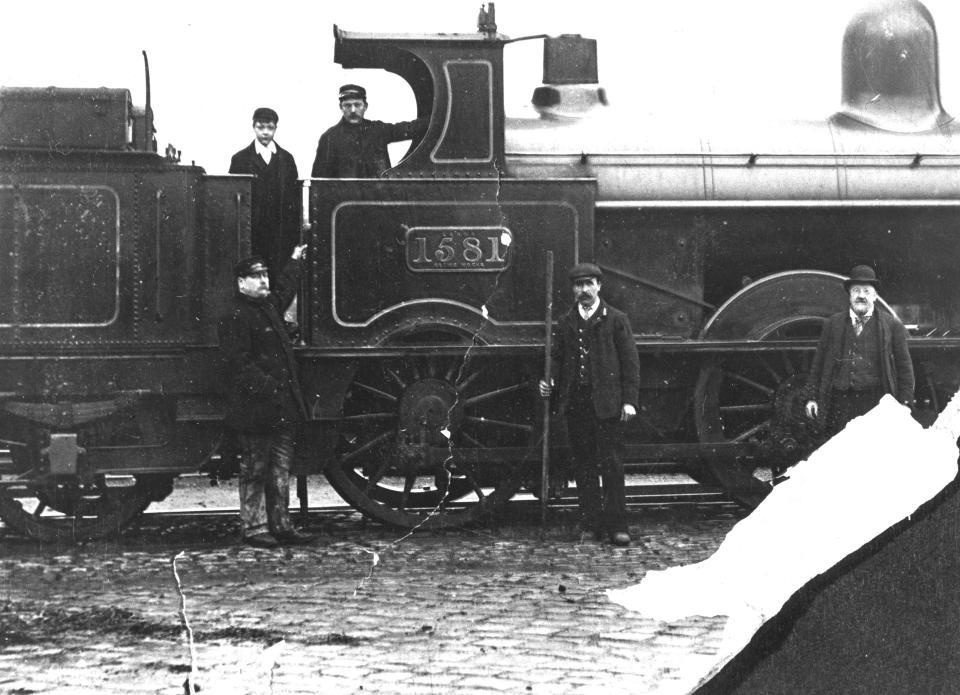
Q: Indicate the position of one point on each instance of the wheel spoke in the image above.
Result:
(368, 416)
(499, 423)
(396, 377)
(454, 368)
(788, 364)
(752, 431)
(473, 441)
(747, 408)
(378, 475)
(375, 391)
(493, 394)
(766, 390)
(774, 374)
(468, 474)
(407, 486)
(470, 378)
(372, 443)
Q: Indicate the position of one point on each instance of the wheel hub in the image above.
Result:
(430, 406)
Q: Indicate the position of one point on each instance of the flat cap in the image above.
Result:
(352, 91)
(265, 114)
(585, 270)
(250, 266)
(861, 275)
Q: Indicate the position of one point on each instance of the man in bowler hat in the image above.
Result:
(275, 199)
(862, 355)
(355, 147)
(596, 366)
(264, 402)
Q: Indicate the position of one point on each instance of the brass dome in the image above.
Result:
(890, 68)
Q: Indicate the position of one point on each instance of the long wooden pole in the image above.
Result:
(547, 368)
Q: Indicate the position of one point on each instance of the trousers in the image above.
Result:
(265, 481)
(597, 454)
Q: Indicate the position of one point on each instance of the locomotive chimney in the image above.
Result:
(890, 68)
(570, 88)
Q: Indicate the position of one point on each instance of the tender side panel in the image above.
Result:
(59, 251)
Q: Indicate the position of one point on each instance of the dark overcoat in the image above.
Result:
(260, 372)
(614, 365)
(896, 367)
(359, 150)
(274, 203)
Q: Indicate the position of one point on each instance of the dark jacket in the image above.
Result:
(614, 365)
(348, 151)
(274, 204)
(896, 367)
(262, 388)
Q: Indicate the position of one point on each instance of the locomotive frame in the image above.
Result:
(422, 331)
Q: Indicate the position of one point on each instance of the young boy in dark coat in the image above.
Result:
(275, 195)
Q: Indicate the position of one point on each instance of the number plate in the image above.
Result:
(458, 249)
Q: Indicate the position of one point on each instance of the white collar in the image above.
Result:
(854, 315)
(589, 311)
(265, 152)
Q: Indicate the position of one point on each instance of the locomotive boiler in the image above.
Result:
(421, 311)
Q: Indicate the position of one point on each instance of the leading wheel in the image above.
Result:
(435, 439)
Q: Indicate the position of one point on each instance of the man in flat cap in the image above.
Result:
(596, 366)
(264, 402)
(862, 355)
(356, 147)
(275, 203)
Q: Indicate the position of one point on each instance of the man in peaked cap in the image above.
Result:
(862, 355)
(596, 366)
(275, 199)
(356, 147)
(264, 402)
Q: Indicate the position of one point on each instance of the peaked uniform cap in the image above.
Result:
(585, 270)
(250, 266)
(352, 91)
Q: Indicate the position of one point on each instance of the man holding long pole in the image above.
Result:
(596, 366)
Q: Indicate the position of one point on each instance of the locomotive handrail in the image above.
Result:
(237, 199)
(774, 203)
(157, 275)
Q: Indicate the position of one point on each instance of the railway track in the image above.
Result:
(639, 496)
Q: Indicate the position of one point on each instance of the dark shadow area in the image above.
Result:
(885, 620)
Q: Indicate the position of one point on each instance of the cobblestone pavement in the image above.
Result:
(488, 610)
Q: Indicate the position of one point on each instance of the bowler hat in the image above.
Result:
(585, 270)
(861, 275)
(352, 91)
(265, 114)
(250, 266)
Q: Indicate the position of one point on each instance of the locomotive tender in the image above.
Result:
(422, 312)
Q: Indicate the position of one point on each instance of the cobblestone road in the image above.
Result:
(493, 610)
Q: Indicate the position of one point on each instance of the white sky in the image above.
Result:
(212, 63)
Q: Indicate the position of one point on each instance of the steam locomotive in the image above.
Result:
(422, 309)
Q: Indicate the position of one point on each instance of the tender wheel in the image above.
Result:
(52, 509)
(419, 436)
(71, 512)
(758, 398)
